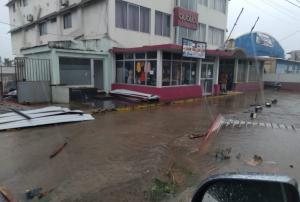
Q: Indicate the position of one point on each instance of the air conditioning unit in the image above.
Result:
(29, 18)
(64, 3)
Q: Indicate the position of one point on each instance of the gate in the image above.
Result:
(32, 69)
(33, 77)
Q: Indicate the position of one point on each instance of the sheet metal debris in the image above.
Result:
(134, 95)
(6, 194)
(43, 116)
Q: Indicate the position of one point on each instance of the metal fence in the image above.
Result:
(32, 69)
(7, 78)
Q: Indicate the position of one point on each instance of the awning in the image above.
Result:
(178, 48)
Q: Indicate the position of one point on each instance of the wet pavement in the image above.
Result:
(117, 156)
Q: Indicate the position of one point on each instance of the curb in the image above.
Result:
(177, 102)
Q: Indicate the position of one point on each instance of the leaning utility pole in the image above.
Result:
(254, 24)
(235, 24)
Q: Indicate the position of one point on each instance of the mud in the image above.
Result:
(117, 156)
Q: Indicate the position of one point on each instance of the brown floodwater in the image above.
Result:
(117, 156)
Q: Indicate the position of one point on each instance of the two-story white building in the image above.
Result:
(131, 44)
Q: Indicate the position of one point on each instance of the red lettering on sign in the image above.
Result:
(185, 18)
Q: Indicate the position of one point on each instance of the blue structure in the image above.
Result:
(260, 44)
(287, 67)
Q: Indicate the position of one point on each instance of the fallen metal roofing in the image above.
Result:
(43, 116)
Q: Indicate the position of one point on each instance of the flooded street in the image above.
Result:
(118, 156)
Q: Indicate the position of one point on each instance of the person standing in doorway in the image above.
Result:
(224, 80)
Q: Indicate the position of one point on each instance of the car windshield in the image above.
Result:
(126, 100)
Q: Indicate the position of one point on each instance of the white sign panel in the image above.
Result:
(264, 39)
(193, 49)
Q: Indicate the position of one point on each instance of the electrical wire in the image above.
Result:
(280, 9)
(289, 36)
(270, 14)
(292, 3)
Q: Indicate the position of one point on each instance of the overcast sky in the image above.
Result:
(277, 17)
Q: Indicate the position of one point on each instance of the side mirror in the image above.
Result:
(247, 188)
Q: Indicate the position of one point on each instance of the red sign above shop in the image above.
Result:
(185, 18)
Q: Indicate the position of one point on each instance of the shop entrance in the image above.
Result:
(207, 74)
(227, 68)
(98, 74)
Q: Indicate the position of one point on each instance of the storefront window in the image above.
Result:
(166, 74)
(253, 72)
(186, 73)
(129, 72)
(151, 71)
(120, 72)
(176, 73)
(242, 71)
(139, 68)
(193, 73)
(177, 70)
(140, 76)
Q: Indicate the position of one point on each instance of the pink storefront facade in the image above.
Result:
(161, 70)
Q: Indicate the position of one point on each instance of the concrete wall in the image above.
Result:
(213, 18)
(60, 94)
(128, 38)
(97, 21)
(165, 93)
(34, 92)
(291, 78)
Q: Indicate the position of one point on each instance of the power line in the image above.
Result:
(269, 14)
(292, 3)
(287, 11)
(289, 36)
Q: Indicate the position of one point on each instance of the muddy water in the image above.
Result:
(117, 156)
(279, 148)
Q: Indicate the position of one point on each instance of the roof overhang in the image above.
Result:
(178, 48)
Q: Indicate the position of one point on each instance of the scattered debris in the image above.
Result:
(240, 123)
(135, 95)
(268, 104)
(43, 116)
(37, 193)
(256, 160)
(103, 110)
(58, 150)
(238, 156)
(223, 154)
(258, 108)
(46, 193)
(195, 136)
(30, 194)
(253, 115)
(161, 189)
(215, 127)
(6, 194)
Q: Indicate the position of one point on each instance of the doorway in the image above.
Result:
(98, 74)
(227, 67)
(207, 74)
